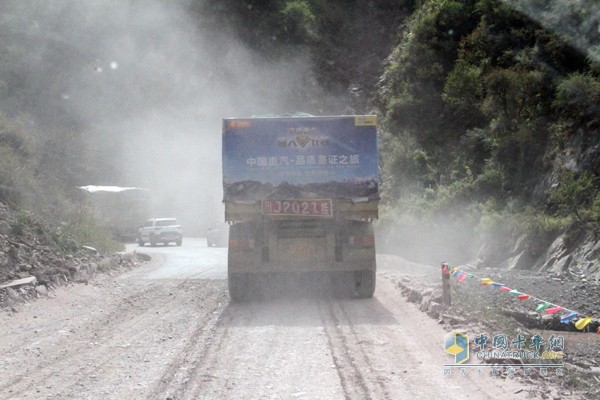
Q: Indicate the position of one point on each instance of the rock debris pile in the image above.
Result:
(31, 264)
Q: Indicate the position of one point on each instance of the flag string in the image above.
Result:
(544, 305)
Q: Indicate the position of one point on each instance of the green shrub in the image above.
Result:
(578, 98)
(462, 89)
(512, 221)
(575, 194)
(299, 21)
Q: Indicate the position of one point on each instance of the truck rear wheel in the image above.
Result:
(364, 284)
(237, 287)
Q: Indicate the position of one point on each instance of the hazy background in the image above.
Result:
(147, 83)
(488, 111)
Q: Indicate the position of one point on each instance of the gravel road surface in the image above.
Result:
(166, 330)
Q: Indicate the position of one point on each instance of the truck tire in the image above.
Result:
(152, 240)
(364, 284)
(178, 242)
(237, 287)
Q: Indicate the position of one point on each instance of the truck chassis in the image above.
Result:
(301, 255)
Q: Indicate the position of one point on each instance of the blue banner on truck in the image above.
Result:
(300, 158)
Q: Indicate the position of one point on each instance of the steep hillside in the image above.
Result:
(490, 142)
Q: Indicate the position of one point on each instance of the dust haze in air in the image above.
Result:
(149, 83)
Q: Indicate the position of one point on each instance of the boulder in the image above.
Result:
(12, 294)
(91, 268)
(437, 295)
(414, 296)
(425, 303)
(41, 290)
(5, 228)
(434, 309)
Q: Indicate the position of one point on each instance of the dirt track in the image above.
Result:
(128, 337)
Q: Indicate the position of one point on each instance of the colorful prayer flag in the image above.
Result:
(568, 318)
(582, 323)
(542, 306)
(554, 310)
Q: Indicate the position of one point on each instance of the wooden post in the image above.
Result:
(446, 298)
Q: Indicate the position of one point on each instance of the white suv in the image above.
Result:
(160, 230)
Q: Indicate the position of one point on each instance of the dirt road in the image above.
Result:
(166, 330)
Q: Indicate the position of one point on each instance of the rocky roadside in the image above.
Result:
(31, 266)
(478, 309)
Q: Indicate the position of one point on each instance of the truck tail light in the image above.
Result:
(361, 241)
(241, 244)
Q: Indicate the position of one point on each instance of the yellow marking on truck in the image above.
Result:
(365, 120)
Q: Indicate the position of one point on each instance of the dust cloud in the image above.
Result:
(429, 241)
(148, 83)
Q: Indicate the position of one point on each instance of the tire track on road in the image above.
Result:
(47, 365)
(357, 342)
(348, 356)
(120, 334)
(182, 369)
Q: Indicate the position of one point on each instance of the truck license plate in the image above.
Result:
(308, 208)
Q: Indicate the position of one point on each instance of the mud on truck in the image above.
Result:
(300, 195)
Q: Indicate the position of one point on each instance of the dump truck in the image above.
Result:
(120, 209)
(300, 195)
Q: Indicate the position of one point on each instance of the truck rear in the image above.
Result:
(300, 194)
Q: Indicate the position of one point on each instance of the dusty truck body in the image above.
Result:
(120, 209)
(300, 194)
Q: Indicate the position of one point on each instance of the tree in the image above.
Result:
(578, 99)
(574, 194)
